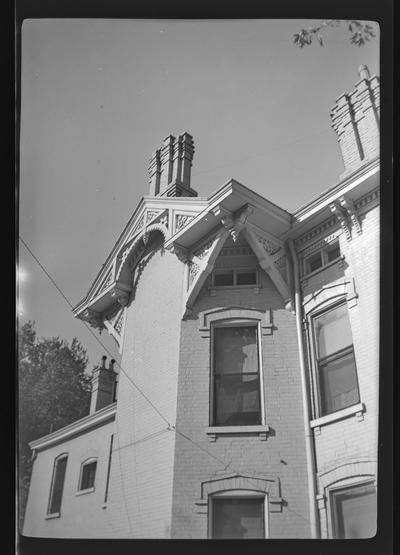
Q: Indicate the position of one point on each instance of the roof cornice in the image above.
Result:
(340, 188)
(78, 427)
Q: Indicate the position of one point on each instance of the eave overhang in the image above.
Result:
(81, 426)
(357, 185)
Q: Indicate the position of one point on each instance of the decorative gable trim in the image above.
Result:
(200, 268)
(268, 263)
(115, 325)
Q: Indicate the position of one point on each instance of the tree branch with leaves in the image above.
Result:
(360, 32)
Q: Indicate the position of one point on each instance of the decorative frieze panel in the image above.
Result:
(365, 201)
(307, 251)
(268, 245)
(316, 231)
(236, 251)
(182, 220)
(151, 215)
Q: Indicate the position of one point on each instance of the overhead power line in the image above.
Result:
(157, 433)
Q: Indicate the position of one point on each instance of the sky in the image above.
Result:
(99, 96)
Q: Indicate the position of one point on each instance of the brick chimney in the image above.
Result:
(170, 168)
(104, 382)
(355, 119)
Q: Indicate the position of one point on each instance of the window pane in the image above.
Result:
(332, 331)
(236, 376)
(237, 399)
(58, 486)
(223, 279)
(235, 350)
(338, 384)
(246, 278)
(332, 253)
(314, 262)
(88, 475)
(355, 512)
(238, 518)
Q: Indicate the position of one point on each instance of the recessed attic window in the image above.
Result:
(321, 258)
(234, 277)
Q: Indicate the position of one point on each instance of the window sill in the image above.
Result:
(52, 515)
(84, 491)
(214, 289)
(214, 431)
(357, 410)
(322, 268)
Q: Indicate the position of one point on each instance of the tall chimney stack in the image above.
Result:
(355, 119)
(170, 168)
(103, 385)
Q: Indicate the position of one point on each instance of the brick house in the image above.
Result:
(245, 403)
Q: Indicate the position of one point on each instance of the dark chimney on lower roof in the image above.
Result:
(103, 385)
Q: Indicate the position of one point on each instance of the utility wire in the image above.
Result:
(93, 334)
(170, 427)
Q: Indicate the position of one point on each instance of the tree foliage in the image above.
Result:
(360, 32)
(53, 391)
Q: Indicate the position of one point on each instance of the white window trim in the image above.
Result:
(357, 410)
(314, 378)
(81, 491)
(244, 494)
(85, 491)
(261, 429)
(346, 483)
(53, 476)
(50, 516)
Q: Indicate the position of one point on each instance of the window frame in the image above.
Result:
(347, 484)
(317, 401)
(57, 460)
(235, 271)
(237, 494)
(323, 252)
(81, 490)
(235, 323)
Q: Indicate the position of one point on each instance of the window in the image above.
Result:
(236, 376)
(88, 473)
(336, 369)
(354, 511)
(234, 277)
(238, 517)
(57, 485)
(321, 258)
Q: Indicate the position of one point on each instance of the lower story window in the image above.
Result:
(57, 485)
(354, 511)
(238, 517)
(88, 475)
